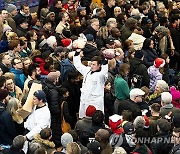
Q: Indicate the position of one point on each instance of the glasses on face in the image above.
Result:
(18, 62)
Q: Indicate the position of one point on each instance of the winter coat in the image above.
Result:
(12, 151)
(4, 68)
(92, 91)
(66, 67)
(89, 51)
(168, 108)
(154, 75)
(121, 88)
(149, 57)
(119, 106)
(111, 78)
(11, 22)
(175, 97)
(137, 67)
(83, 123)
(106, 149)
(162, 146)
(153, 125)
(90, 30)
(37, 120)
(143, 149)
(19, 77)
(125, 33)
(7, 127)
(20, 16)
(53, 101)
(17, 93)
(73, 100)
(48, 145)
(21, 32)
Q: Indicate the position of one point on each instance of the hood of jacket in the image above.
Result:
(135, 62)
(15, 71)
(89, 49)
(46, 143)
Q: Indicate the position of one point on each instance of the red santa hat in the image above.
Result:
(159, 62)
(115, 122)
(67, 43)
(90, 110)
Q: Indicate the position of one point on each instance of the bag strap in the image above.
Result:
(62, 106)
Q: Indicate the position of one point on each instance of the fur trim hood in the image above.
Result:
(47, 143)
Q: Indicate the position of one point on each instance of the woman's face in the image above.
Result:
(27, 63)
(157, 89)
(151, 44)
(34, 36)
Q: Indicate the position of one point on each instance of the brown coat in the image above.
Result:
(11, 22)
(18, 92)
(1, 28)
(106, 149)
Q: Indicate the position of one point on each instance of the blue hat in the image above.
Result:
(40, 95)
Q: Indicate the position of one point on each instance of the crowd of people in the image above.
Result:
(90, 77)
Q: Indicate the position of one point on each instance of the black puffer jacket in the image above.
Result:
(137, 67)
(89, 52)
(53, 103)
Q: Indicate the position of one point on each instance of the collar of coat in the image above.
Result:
(48, 143)
(167, 106)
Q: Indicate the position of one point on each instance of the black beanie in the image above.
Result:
(138, 54)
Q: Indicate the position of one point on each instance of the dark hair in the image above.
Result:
(164, 125)
(23, 6)
(12, 62)
(45, 133)
(63, 90)
(32, 68)
(61, 16)
(147, 43)
(29, 35)
(164, 56)
(2, 10)
(127, 44)
(155, 107)
(2, 55)
(98, 59)
(127, 7)
(98, 117)
(72, 75)
(140, 135)
(127, 115)
(2, 81)
(42, 4)
(122, 68)
(55, 2)
(120, 17)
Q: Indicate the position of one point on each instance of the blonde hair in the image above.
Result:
(73, 148)
(9, 75)
(12, 107)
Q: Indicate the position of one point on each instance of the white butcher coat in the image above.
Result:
(92, 91)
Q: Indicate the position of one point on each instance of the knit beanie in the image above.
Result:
(90, 110)
(11, 8)
(6, 27)
(65, 139)
(3, 94)
(52, 76)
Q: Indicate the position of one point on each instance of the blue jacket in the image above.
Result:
(19, 77)
(7, 127)
(66, 67)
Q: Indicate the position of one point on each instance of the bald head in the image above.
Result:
(102, 135)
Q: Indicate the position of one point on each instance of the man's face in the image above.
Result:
(112, 2)
(95, 66)
(14, 12)
(35, 100)
(6, 60)
(138, 99)
(117, 11)
(38, 72)
(95, 25)
(24, 25)
(58, 5)
(48, 26)
(27, 63)
(10, 85)
(18, 64)
(26, 10)
(66, 17)
(175, 137)
(4, 15)
(83, 12)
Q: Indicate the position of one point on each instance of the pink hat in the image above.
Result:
(159, 62)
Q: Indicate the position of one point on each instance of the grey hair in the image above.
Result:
(162, 30)
(139, 122)
(33, 146)
(18, 142)
(111, 20)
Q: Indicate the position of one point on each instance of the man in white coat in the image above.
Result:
(40, 117)
(92, 91)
